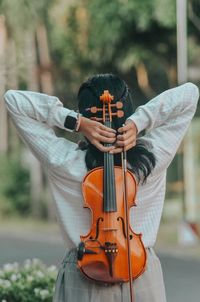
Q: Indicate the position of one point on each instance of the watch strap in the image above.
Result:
(71, 121)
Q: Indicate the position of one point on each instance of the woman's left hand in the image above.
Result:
(126, 138)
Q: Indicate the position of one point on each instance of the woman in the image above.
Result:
(165, 120)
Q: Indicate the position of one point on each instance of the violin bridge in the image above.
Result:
(109, 229)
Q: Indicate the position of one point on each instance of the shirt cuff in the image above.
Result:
(58, 116)
(141, 120)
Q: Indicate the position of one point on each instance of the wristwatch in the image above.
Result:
(72, 121)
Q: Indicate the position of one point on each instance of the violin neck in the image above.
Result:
(109, 188)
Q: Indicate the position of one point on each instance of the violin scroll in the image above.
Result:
(107, 108)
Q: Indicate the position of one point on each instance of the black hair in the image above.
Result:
(141, 160)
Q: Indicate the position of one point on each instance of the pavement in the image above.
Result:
(40, 231)
(168, 242)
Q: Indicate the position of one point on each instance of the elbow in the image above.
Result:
(9, 96)
(196, 92)
(193, 92)
(10, 101)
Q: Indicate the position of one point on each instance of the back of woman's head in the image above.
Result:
(91, 90)
(141, 160)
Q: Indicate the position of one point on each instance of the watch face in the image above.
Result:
(70, 122)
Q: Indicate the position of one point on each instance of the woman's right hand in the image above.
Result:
(97, 134)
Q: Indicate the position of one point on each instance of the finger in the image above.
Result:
(120, 143)
(119, 149)
(125, 136)
(116, 150)
(107, 134)
(104, 139)
(128, 147)
(125, 128)
(103, 127)
(103, 148)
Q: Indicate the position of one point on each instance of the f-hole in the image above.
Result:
(123, 225)
(97, 227)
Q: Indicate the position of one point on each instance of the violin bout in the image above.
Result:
(102, 253)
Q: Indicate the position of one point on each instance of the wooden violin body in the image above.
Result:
(104, 248)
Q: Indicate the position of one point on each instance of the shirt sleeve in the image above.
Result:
(166, 119)
(34, 115)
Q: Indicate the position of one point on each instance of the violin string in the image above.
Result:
(107, 184)
(111, 187)
(111, 190)
(108, 195)
(105, 180)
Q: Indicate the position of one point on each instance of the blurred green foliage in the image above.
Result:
(14, 187)
(134, 38)
(116, 36)
(23, 15)
(123, 37)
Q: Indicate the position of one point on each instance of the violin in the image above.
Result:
(111, 252)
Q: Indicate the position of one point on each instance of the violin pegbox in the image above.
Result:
(107, 109)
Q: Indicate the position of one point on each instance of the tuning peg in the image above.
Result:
(118, 105)
(94, 109)
(119, 113)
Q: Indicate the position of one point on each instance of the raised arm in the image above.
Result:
(34, 115)
(165, 119)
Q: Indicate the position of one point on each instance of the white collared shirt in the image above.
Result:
(165, 118)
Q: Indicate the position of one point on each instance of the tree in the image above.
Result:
(136, 39)
(23, 19)
(125, 37)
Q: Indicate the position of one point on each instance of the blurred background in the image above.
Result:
(52, 46)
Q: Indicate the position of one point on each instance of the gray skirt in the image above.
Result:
(73, 286)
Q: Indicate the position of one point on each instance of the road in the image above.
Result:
(182, 276)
